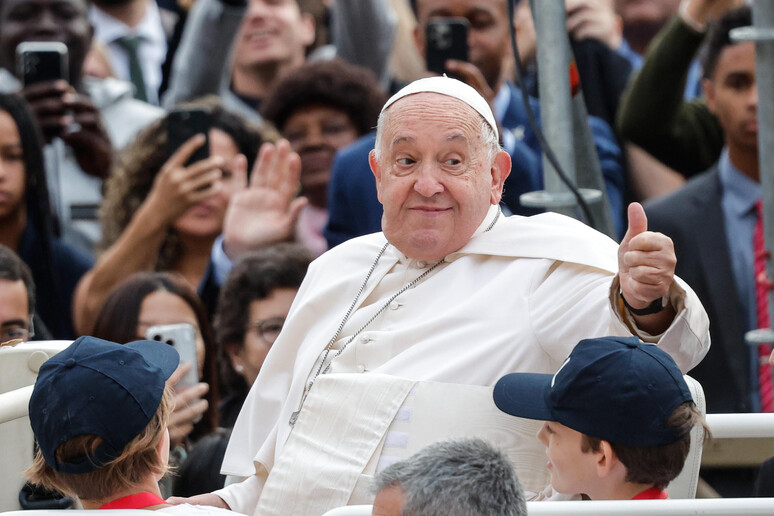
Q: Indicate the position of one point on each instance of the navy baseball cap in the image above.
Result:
(101, 388)
(618, 389)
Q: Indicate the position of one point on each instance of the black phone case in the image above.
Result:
(183, 124)
(42, 66)
(445, 38)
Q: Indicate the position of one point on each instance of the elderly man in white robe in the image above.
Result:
(452, 291)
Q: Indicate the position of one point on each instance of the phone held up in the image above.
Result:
(41, 61)
(445, 38)
(182, 337)
(184, 124)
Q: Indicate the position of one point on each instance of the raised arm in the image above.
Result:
(174, 190)
(202, 62)
(653, 115)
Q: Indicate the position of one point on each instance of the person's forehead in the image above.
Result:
(735, 59)
(13, 299)
(461, 8)
(446, 110)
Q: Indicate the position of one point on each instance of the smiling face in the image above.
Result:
(572, 470)
(732, 96)
(273, 32)
(65, 21)
(12, 171)
(435, 175)
(316, 133)
(205, 219)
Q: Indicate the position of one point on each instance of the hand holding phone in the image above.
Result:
(182, 337)
(41, 61)
(445, 38)
(182, 125)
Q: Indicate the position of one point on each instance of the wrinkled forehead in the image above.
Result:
(442, 111)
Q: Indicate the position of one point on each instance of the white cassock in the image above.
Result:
(516, 298)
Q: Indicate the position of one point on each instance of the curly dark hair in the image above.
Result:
(137, 165)
(252, 279)
(330, 82)
(720, 37)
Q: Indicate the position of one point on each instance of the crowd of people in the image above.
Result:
(343, 211)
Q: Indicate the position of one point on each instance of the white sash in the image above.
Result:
(354, 425)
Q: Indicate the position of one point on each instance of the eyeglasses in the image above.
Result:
(17, 331)
(268, 329)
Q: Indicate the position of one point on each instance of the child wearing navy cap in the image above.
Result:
(99, 411)
(618, 418)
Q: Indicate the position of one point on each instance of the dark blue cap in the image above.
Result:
(618, 389)
(100, 388)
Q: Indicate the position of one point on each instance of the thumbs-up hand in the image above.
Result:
(646, 261)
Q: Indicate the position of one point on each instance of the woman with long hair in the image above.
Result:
(26, 224)
(161, 213)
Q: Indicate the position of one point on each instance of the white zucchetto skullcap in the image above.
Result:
(451, 88)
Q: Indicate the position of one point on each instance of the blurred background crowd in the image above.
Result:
(165, 134)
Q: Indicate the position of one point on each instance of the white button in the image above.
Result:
(421, 264)
(394, 305)
(364, 339)
(360, 368)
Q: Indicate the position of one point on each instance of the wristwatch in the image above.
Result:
(655, 307)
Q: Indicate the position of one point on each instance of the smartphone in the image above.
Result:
(445, 38)
(182, 337)
(182, 125)
(41, 61)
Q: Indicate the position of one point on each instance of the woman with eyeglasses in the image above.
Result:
(252, 308)
(163, 213)
(26, 224)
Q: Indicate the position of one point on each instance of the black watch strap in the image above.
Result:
(653, 308)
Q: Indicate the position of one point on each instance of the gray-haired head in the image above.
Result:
(464, 477)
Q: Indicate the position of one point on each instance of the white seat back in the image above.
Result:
(684, 486)
(19, 367)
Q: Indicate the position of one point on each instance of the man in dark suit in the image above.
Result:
(711, 221)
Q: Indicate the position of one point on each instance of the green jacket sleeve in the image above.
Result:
(683, 135)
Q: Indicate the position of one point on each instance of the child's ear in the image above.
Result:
(607, 461)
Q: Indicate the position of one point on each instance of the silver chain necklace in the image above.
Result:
(329, 347)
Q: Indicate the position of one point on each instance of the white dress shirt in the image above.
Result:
(152, 52)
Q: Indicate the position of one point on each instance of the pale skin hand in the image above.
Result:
(266, 211)
(189, 406)
(646, 269)
(594, 19)
(704, 11)
(210, 499)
